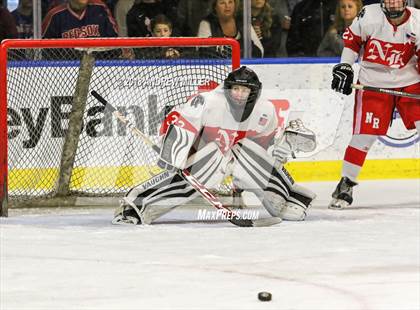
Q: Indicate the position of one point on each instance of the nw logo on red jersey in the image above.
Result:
(394, 55)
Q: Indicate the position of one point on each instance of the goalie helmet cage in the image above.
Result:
(57, 143)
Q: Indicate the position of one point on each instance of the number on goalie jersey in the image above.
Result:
(223, 132)
(386, 39)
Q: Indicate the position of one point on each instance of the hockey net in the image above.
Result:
(58, 143)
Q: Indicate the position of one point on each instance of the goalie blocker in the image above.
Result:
(225, 132)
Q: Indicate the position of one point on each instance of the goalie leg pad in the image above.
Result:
(167, 190)
(209, 165)
(297, 204)
(254, 171)
(252, 166)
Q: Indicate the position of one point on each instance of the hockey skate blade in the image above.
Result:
(269, 221)
(338, 204)
(128, 221)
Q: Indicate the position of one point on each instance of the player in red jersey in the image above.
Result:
(385, 38)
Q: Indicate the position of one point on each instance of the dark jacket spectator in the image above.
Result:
(24, 19)
(189, 15)
(79, 19)
(139, 18)
(7, 25)
(332, 44)
(283, 9)
(266, 25)
(224, 22)
(310, 21)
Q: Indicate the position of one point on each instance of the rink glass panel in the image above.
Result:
(63, 142)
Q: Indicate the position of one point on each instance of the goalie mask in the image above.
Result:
(393, 8)
(242, 90)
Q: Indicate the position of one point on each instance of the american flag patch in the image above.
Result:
(263, 120)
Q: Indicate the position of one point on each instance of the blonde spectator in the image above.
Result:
(332, 44)
(266, 25)
(224, 22)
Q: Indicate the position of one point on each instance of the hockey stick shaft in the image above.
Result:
(200, 188)
(386, 91)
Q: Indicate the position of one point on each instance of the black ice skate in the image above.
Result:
(126, 215)
(343, 194)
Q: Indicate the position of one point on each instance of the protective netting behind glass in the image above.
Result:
(63, 142)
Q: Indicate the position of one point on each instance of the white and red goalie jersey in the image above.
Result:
(389, 55)
(207, 117)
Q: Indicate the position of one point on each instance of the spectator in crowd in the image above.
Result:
(24, 19)
(189, 15)
(310, 20)
(79, 19)
(7, 25)
(110, 4)
(283, 9)
(162, 28)
(121, 10)
(266, 25)
(332, 44)
(223, 22)
(140, 16)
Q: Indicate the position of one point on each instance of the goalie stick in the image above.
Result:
(185, 174)
(386, 91)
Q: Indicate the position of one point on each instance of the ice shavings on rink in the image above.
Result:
(365, 257)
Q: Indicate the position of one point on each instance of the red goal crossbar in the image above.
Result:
(6, 45)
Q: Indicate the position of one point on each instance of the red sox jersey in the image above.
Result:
(95, 21)
(208, 117)
(389, 56)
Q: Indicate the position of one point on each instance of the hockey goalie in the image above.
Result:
(228, 131)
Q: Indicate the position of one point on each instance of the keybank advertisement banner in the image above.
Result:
(300, 90)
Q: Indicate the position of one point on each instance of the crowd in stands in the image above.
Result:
(280, 28)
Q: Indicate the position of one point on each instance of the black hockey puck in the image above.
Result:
(264, 296)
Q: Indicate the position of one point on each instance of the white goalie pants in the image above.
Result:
(252, 170)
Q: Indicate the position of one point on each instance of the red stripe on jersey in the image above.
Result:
(279, 106)
(355, 156)
(108, 12)
(352, 41)
(176, 119)
(51, 13)
(418, 60)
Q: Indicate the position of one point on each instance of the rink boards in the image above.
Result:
(303, 90)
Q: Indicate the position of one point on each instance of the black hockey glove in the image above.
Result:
(342, 78)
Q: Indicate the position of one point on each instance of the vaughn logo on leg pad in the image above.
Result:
(216, 215)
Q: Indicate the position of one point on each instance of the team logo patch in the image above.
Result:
(361, 13)
(398, 136)
(263, 120)
(411, 37)
(197, 101)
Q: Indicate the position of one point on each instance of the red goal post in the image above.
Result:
(72, 68)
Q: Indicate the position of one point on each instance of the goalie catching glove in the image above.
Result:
(296, 138)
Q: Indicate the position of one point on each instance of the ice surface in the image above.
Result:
(364, 257)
